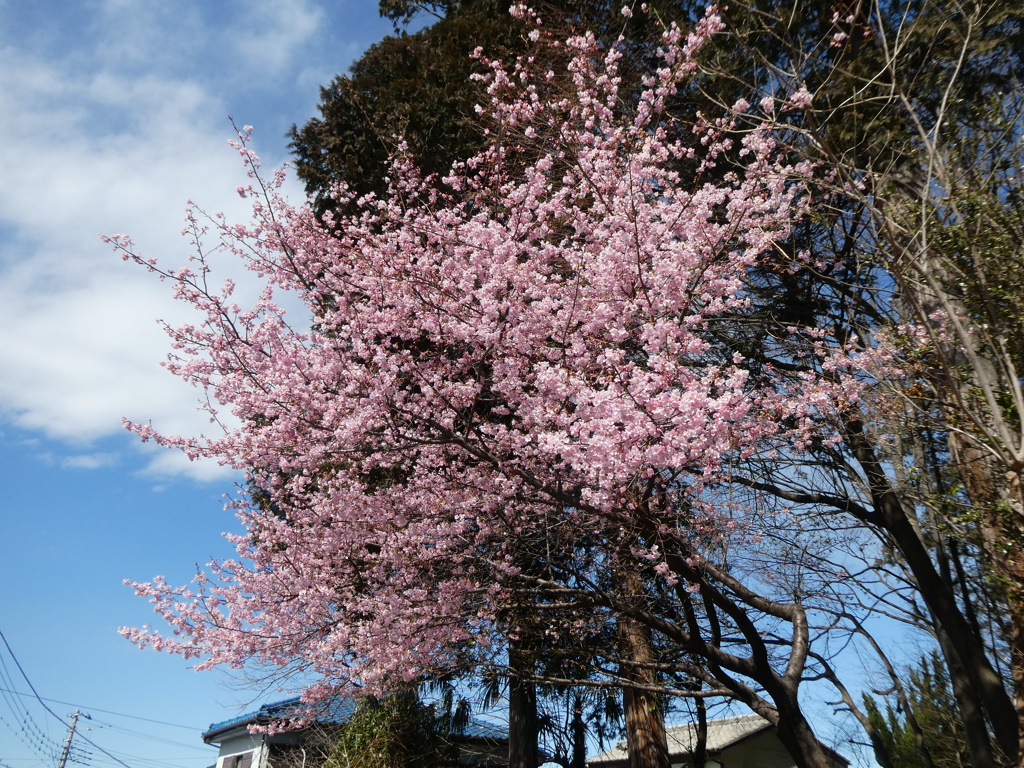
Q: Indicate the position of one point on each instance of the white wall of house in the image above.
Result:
(763, 750)
(235, 747)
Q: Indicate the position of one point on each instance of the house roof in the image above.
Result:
(722, 734)
(335, 712)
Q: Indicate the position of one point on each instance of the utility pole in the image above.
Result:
(71, 733)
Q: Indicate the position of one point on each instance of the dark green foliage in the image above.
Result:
(401, 11)
(415, 88)
(980, 227)
(880, 73)
(397, 732)
(939, 733)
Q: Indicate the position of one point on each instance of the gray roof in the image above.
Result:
(722, 734)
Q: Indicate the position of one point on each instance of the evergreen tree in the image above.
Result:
(923, 729)
(415, 88)
(399, 731)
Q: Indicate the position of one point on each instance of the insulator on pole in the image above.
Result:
(71, 734)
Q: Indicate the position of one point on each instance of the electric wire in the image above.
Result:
(25, 727)
(22, 731)
(138, 761)
(105, 711)
(83, 756)
(45, 706)
(33, 736)
(141, 735)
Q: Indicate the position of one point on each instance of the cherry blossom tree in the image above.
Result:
(513, 392)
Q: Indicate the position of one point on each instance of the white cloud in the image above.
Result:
(78, 328)
(164, 462)
(109, 125)
(90, 461)
(273, 32)
(148, 36)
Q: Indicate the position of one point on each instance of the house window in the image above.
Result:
(243, 760)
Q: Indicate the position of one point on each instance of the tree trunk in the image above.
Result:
(798, 737)
(700, 747)
(975, 669)
(579, 737)
(1001, 502)
(1010, 566)
(646, 741)
(523, 751)
(1017, 668)
(971, 712)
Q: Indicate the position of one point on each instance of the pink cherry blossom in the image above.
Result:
(524, 350)
(799, 99)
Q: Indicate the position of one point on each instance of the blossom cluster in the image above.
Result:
(517, 349)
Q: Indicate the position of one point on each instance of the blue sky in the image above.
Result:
(113, 113)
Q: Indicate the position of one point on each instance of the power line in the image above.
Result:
(45, 706)
(147, 736)
(105, 711)
(43, 744)
(27, 681)
(38, 744)
(159, 762)
(25, 726)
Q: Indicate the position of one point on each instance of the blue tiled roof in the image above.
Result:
(477, 729)
(335, 712)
